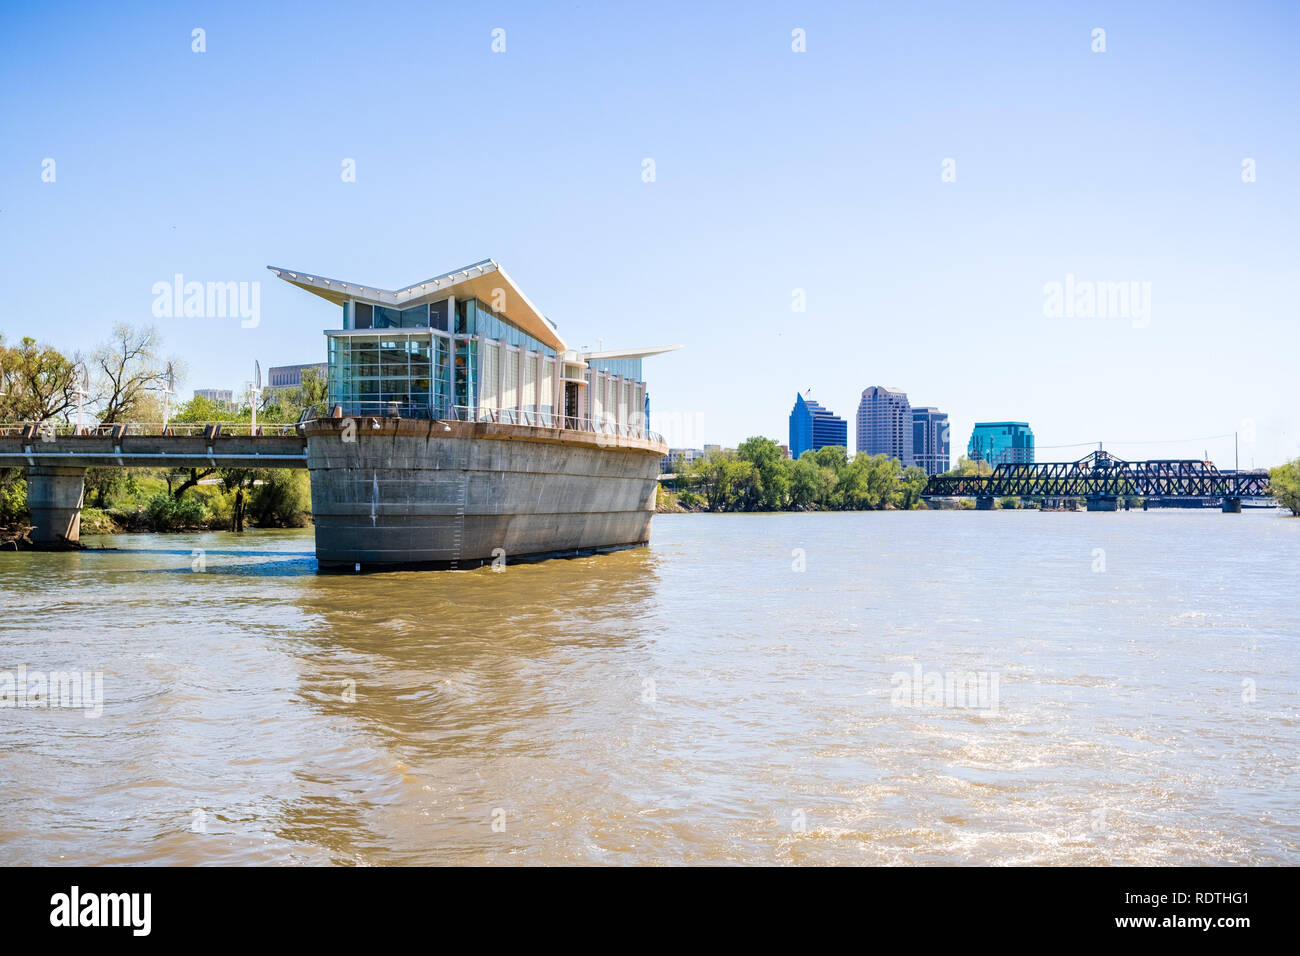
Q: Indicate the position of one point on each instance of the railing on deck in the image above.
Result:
(466, 413)
(58, 429)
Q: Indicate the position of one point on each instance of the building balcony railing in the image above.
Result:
(469, 413)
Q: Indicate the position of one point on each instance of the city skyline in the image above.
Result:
(1049, 174)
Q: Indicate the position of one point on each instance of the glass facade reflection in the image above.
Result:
(628, 368)
(1002, 443)
(475, 318)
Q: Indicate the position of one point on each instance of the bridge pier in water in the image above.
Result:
(983, 503)
(54, 497)
(1232, 506)
(1103, 503)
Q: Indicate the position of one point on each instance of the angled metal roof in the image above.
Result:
(484, 280)
(629, 353)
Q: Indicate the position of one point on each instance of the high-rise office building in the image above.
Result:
(290, 376)
(221, 396)
(1001, 442)
(885, 423)
(930, 446)
(813, 427)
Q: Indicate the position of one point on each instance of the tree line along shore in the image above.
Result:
(757, 477)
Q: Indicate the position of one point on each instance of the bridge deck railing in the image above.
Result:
(50, 430)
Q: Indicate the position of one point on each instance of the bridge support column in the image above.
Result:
(54, 497)
(1232, 506)
(1103, 503)
(983, 503)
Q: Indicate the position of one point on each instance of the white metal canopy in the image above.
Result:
(484, 280)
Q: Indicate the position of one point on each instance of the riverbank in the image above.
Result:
(676, 503)
(15, 535)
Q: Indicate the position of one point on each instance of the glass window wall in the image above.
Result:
(406, 373)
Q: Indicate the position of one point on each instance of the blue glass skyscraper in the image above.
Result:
(813, 427)
(1002, 442)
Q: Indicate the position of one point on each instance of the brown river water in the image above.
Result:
(768, 689)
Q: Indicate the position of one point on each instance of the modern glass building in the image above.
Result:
(1001, 442)
(930, 446)
(469, 345)
(813, 427)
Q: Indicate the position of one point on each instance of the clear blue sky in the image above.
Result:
(775, 171)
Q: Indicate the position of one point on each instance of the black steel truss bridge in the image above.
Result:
(1101, 477)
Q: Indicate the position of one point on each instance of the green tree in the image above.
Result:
(1284, 484)
(101, 483)
(769, 488)
(911, 485)
(181, 480)
(167, 514)
(37, 382)
(882, 484)
(201, 409)
(835, 458)
(967, 468)
(240, 481)
(13, 496)
(811, 484)
(285, 405)
(720, 479)
(282, 499)
(128, 370)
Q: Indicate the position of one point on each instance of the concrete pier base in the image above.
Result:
(392, 493)
(54, 498)
(1103, 503)
(983, 504)
(1232, 506)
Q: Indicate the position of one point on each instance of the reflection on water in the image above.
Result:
(699, 701)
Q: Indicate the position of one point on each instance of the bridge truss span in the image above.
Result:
(1101, 475)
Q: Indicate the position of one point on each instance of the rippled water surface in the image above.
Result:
(700, 701)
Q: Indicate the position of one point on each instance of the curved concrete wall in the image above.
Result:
(409, 493)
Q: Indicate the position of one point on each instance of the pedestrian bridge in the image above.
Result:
(1102, 479)
(56, 461)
